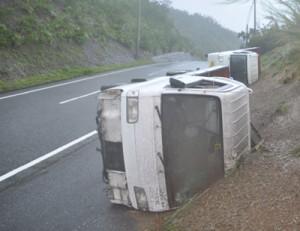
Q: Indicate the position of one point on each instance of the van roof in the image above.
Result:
(184, 82)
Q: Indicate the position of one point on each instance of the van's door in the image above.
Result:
(238, 68)
(192, 144)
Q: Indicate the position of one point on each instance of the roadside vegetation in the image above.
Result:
(43, 40)
(49, 22)
(296, 151)
(63, 74)
(280, 40)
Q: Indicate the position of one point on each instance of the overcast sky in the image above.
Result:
(231, 16)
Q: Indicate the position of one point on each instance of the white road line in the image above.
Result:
(161, 71)
(167, 69)
(79, 97)
(42, 158)
(75, 81)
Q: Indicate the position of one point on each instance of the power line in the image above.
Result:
(249, 15)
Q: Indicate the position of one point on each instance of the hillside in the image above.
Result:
(263, 192)
(205, 34)
(39, 37)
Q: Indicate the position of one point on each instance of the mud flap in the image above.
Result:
(255, 136)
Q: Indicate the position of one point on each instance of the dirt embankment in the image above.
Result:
(264, 193)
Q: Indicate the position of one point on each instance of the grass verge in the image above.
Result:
(64, 74)
(282, 108)
(296, 151)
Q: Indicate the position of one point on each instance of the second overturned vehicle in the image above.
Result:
(166, 139)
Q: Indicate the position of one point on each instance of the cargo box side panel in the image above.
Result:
(241, 132)
(237, 133)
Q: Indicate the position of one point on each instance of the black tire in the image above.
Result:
(137, 80)
(105, 87)
(172, 73)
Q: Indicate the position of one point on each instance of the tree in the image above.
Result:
(284, 28)
(287, 15)
(266, 38)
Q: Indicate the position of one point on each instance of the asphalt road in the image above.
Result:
(65, 191)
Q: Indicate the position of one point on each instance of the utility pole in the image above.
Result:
(138, 30)
(254, 3)
(247, 35)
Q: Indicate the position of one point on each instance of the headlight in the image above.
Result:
(132, 106)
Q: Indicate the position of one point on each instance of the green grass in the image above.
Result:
(269, 61)
(279, 64)
(63, 74)
(168, 227)
(289, 79)
(265, 58)
(296, 151)
(5, 69)
(282, 108)
(297, 87)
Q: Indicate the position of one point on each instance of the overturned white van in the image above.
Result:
(244, 67)
(164, 140)
(244, 64)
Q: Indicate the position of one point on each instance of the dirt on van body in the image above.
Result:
(264, 192)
